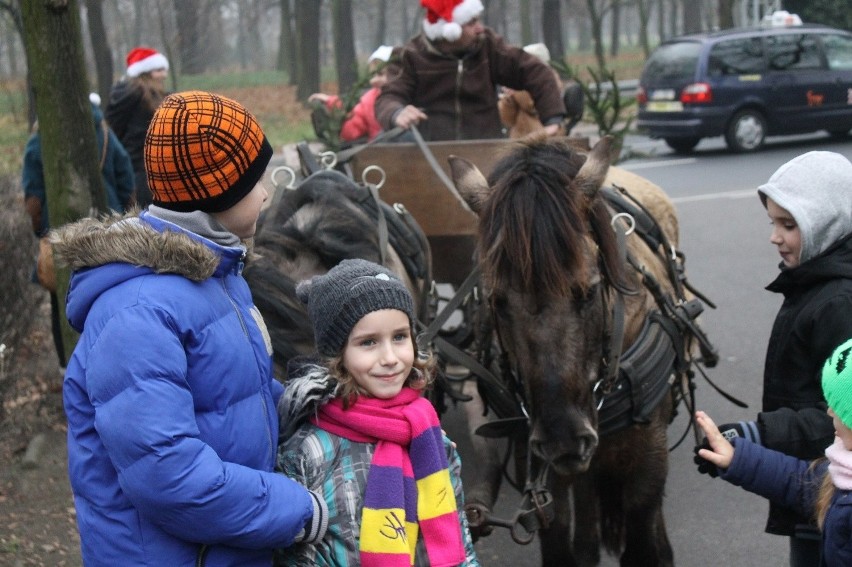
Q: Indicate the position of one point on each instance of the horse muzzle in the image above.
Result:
(570, 454)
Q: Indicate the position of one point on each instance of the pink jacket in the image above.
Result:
(362, 120)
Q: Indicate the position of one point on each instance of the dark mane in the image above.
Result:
(534, 224)
(311, 229)
(318, 218)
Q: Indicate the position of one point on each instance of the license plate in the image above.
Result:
(663, 94)
(664, 106)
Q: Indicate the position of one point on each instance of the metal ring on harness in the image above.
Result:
(595, 389)
(630, 221)
(371, 168)
(328, 159)
(290, 184)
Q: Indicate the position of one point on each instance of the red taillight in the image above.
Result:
(641, 96)
(696, 93)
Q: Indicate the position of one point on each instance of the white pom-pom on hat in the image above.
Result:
(444, 18)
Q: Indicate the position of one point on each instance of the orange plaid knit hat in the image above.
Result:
(203, 152)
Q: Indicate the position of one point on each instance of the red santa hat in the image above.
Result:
(144, 60)
(445, 18)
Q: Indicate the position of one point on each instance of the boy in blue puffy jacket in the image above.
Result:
(171, 443)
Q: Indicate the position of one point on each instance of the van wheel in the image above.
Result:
(682, 145)
(746, 131)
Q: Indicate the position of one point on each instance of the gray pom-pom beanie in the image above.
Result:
(337, 300)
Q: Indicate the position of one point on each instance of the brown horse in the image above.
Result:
(552, 273)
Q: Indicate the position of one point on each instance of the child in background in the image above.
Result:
(822, 489)
(809, 204)
(367, 439)
(361, 122)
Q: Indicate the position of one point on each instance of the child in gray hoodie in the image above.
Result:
(809, 203)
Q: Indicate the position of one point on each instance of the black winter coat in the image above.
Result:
(814, 319)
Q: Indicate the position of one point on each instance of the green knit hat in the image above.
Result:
(837, 382)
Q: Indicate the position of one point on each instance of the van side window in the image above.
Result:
(736, 57)
(838, 51)
(790, 52)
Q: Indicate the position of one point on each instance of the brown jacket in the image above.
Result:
(459, 94)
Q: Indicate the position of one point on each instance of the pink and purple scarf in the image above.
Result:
(408, 484)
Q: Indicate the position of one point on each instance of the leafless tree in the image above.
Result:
(307, 28)
(344, 45)
(101, 49)
(287, 42)
(691, 16)
(54, 49)
(551, 27)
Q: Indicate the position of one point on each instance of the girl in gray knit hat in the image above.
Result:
(357, 429)
(809, 204)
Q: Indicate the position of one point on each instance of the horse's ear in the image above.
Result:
(591, 176)
(469, 181)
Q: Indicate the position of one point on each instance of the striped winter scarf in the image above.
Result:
(408, 484)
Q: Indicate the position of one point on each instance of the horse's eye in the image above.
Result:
(500, 304)
(585, 298)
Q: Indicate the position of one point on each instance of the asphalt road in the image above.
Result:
(724, 234)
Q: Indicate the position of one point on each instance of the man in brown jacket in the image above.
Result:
(450, 77)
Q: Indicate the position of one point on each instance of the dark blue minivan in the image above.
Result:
(746, 84)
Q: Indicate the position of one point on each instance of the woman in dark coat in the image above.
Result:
(131, 106)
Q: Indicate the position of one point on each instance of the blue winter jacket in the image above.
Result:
(794, 483)
(172, 426)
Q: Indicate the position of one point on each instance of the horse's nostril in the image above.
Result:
(587, 445)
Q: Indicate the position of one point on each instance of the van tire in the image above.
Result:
(746, 131)
(682, 145)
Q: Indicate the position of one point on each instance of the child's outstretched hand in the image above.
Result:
(721, 452)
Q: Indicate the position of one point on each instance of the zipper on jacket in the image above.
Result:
(459, 76)
(262, 386)
(202, 555)
(236, 309)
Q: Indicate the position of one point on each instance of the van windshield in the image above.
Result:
(675, 60)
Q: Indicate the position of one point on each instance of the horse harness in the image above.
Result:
(632, 384)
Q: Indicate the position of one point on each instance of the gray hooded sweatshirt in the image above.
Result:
(816, 188)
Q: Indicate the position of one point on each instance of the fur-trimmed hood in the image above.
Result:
(90, 243)
(104, 253)
(308, 386)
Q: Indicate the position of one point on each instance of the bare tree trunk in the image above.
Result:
(643, 8)
(691, 16)
(615, 29)
(307, 40)
(138, 18)
(596, 18)
(526, 23)
(100, 47)
(502, 24)
(551, 27)
(54, 48)
(287, 53)
(187, 15)
(12, 29)
(726, 14)
(164, 37)
(344, 45)
(673, 18)
(381, 23)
